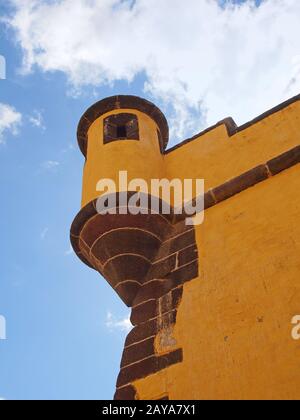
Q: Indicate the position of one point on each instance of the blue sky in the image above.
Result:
(58, 344)
(61, 343)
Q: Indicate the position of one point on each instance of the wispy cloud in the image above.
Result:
(201, 61)
(44, 233)
(10, 121)
(70, 251)
(49, 165)
(113, 323)
(37, 120)
(70, 148)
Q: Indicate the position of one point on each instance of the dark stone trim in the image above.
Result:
(256, 175)
(147, 367)
(187, 255)
(231, 126)
(124, 247)
(86, 229)
(75, 245)
(170, 301)
(128, 393)
(121, 102)
(138, 352)
(248, 179)
(126, 267)
(175, 244)
(154, 310)
(185, 273)
(127, 290)
(284, 161)
(161, 268)
(144, 312)
(148, 329)
(154, 288)
(123, 199)
(209, 199)
(240, 183)
(134, 242)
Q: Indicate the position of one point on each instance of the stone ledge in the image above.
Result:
(138, 352)
(127, 393)
(148, 367)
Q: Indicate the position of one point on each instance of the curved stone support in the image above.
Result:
(122, 247)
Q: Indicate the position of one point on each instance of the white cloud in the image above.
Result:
(118, 324)
(37, 120)
(10, 121)
(2, 67)
(208, 61)
(70, 148)
(49, 165)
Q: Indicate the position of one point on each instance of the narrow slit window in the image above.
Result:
(121, 127)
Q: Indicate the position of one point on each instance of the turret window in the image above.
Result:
(122, 132)
(121, 127)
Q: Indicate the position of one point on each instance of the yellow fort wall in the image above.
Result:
(234, 320)
(216, 157)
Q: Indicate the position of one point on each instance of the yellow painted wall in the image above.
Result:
(234, 321)
(213, 156)
(217, 158)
